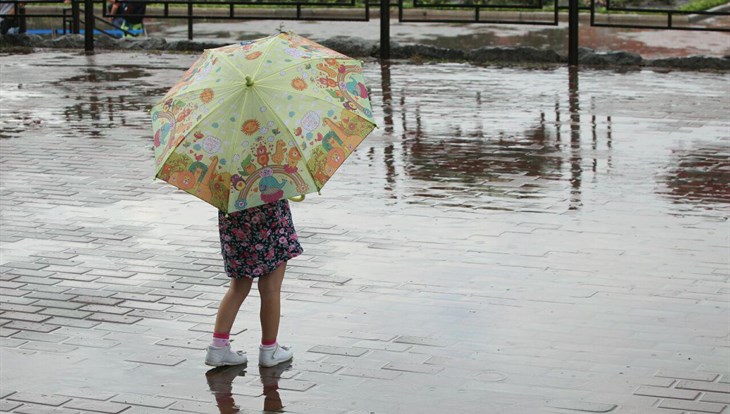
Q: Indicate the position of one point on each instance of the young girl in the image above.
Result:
(256, 244)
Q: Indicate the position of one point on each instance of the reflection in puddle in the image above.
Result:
(220, 381)
(700, 175)
(471, 166)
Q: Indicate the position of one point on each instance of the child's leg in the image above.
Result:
(230, 304)
(270, 292)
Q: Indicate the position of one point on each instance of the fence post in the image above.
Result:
(573, 21)
(89, 26)
(190, 20)
(20, 12)
(75, 17)
(385, 29)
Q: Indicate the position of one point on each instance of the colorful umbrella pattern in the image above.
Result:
(259, 121)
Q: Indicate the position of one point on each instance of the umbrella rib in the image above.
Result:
(308, 60)
(263, 56)
(229, 63)
(281, 121)
(232, 151)
(318, 98)
(192, 127)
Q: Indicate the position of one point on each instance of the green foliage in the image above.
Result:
(699, 5)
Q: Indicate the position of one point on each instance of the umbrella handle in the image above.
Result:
(297, 199)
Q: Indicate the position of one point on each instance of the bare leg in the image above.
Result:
(231, 302)
(270, 291)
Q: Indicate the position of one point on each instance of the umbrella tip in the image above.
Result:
(249, 81)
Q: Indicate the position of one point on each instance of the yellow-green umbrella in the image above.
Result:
(259, 121)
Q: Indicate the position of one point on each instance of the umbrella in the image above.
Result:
(259, 121)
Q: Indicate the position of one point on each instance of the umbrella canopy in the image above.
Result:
(255, 122)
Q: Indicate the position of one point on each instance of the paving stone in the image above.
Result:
(25, 265)
(704, 386)
(40, 336)
(193, 407)
(143, 400)
(30, 326)
(715, 397)
(192, 310)
(698, 376)
(38, 409)
(46, 303)
(295, 385)
(369, 336)
(137, 297)
(41, 399)
(318, 367)
(417, 340)
(385, 346)
(418, 368)
(11, 342)
(583, 406)
(166, 360)
(103, 299)
(7, 332)
(35, 277)
(20, 307)
(149, 305)
(87, 393)
(182, 343)
(116, 310)
(65, 313)
(338, 350)
(369, 373)
(704, 407)
(107, 317)
(28, 317)
(152, 314)
(77, 323)
(97, 406)
(92, 342)
(9, 405)
(312, 298)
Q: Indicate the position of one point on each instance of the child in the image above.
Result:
(256, 244)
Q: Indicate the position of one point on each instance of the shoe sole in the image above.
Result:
(223, 365)
(278, 363)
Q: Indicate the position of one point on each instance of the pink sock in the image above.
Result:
(268, 344)
(221, 339)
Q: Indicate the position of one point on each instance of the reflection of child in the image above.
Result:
(256, 244)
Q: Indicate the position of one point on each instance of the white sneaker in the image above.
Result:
(271, 356)
(218, 357)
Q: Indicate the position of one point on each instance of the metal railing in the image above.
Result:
(671, 23)
(513, 12)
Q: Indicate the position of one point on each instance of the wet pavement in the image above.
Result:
(509, 241)
(650, 44)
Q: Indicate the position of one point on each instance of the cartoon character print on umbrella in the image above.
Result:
(190, 171)
(174, 117)
(263, 179)
(345, 134)
(340, 82)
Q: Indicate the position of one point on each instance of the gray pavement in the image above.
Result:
(509, 241)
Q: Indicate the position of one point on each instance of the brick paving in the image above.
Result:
(509, 241)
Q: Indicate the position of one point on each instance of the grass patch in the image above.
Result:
(700, 5)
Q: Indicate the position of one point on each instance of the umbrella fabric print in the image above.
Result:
(259, 121)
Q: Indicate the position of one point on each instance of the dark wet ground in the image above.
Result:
(650, 44)
(509, 241)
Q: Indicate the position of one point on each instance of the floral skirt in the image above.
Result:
(256, 241)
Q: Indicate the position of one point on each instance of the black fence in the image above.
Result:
(78, 13)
